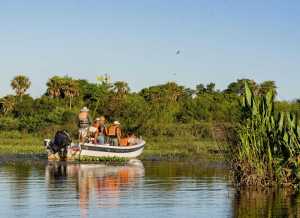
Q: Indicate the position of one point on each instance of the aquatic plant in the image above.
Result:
(110, 160)
(269, 143)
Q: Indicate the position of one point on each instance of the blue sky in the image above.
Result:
(136, 41)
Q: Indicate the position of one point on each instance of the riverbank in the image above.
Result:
(179, 148)
(15, 143)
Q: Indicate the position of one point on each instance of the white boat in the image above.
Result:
(94, 150)
(75, 152)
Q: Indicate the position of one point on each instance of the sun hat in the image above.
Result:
(102, 118)
(117, 122)
(84, 109)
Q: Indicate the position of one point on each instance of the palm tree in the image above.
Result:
(238, 87)
(7, 104)
(20, 84)
(121, 88)
(267, 86)
(54, 87)
(173, 91)
(70, 89)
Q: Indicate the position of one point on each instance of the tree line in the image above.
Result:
(168, 109)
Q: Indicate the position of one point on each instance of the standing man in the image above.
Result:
(84, 121)
(102, 130)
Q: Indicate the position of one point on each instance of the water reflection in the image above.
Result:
(99, 185)
(162, 189)
(266, 203)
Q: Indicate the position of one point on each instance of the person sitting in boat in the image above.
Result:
(84, 121)
(129, 140)
(114, 133)
(93, 132)
(132, 139)
(124, 141)
(102, 130)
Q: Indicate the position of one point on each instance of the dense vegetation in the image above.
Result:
(263, 132)
(267, 149)
(163, 110)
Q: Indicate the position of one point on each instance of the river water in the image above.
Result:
(149, 189)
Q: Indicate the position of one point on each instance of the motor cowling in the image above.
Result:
(60, 142)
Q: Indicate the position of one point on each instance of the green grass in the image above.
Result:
(173, 148)
(158, 148)
(14, 142)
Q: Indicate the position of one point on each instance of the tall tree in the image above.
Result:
(173, 91)
(20, 84)
(238, 87)
(267, 86)
(70, 89)
(210, 87)
(200, 89)
(54, 85)
(121, 88)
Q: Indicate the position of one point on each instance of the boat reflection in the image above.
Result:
(99, 185)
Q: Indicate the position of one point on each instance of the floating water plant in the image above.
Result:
(103, 159)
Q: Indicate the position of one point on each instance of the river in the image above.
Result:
(149, 189)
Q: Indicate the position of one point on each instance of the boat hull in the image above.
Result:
(93, 150)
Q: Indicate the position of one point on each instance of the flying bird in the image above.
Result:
(177, 52)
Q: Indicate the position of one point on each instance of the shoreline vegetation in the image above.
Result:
(16, 143)
(266, 151)
(243, 124)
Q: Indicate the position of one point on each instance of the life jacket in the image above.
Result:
(113, 131)
(83, 119)
(124, 141)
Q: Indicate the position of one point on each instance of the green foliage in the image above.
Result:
(68, 116)
(263, 88)
(31, 123)
(7, 104)
(24, 108)
(16, 142)
(110, 160)
(162, 110)
(208, 107)
(178, 147)
(269, 142)
(63, 87)
(133, 113)
(8, 123)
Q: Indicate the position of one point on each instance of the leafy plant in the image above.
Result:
(269, 142)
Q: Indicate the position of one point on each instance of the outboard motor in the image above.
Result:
(60, 143)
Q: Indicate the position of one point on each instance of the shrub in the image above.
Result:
(8, 123)
(68, 116)
(31, 123)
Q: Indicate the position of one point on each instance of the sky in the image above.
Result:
(136, 41)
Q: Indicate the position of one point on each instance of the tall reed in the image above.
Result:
(268, 143)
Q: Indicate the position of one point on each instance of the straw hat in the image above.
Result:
(84, 109)
(102, 118)
(117, 123)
